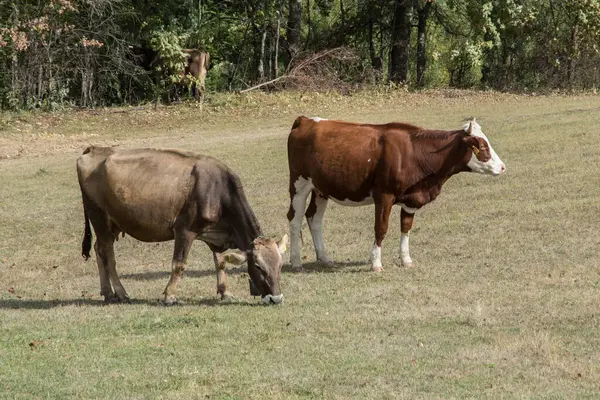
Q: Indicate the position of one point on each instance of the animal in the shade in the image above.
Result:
(358, 164)
(193, 74)
(156, 195)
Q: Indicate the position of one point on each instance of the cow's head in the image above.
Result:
(484, 159)
(265, 260)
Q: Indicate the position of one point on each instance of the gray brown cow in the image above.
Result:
(159, 195)
(359, 164)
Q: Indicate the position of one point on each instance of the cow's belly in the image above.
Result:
(145, 231)
(350, 203)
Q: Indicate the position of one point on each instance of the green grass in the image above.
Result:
(504, 300)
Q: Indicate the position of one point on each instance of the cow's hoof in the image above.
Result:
(170, 301)
(110, 299)
(227, 298)
(124, 299)
(377, 269)
(297, 268)
(408, 265)
(326, 261)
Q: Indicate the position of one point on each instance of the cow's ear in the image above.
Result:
(236, 257)
(471, 141)
(282, 244)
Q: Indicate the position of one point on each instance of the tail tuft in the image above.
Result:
(86, 244)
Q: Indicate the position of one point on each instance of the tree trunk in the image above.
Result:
(294, 25)
(276, 51)
(14, 57)
(261, 61)
(400, 42)
(376, 61)
(573, 56)
(423, 14)
(343, 18)
(308, 21)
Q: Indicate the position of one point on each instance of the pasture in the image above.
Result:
(503, 301)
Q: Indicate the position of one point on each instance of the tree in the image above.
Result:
(400, 46)
(423, 8)
(294, 25)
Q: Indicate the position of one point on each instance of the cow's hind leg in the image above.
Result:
(105, 255)
(299, 190)
(183, 243)
(102, 260)
(406, 221)
(106, 252)
(314, 216)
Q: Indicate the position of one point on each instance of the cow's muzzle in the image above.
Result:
(270, 299)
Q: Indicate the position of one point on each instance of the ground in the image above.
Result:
(503, 301)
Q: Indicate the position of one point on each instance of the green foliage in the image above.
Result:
(63, 52)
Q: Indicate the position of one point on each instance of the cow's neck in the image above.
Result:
(439, 159)
(444, 158)
(244, 224)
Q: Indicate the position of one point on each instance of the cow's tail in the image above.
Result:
(86, 244)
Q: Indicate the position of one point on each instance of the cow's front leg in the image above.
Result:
(383, 207)
(183, 243)
(222, 291)
(406, 221)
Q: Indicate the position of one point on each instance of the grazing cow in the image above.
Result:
(197, 64)
(160, 195)
(359, 164)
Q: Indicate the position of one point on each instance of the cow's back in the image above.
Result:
(340, 158)
(142, 190)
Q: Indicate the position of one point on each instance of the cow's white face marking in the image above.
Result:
(494, 166)
(268, 299)
(317, 119)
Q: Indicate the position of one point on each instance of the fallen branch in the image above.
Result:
(265, 83)
(295, 70)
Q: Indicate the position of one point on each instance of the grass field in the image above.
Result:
(504, 300)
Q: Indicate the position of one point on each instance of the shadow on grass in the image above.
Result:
(307, 268)
(317, 266)
(160, 275)
(16, 304)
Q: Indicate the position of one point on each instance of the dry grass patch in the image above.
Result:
(503, 301)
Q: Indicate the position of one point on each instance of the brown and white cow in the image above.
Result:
(158, 195)
(359, 164)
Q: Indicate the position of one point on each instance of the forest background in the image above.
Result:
(63, 53)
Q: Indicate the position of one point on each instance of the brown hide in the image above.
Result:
(359, 164)
(158, 195)
(351, 161)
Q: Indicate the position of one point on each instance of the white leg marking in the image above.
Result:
(376, 258)
(303, 188)
(409, 210)
(316, 229)
(404, 252)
